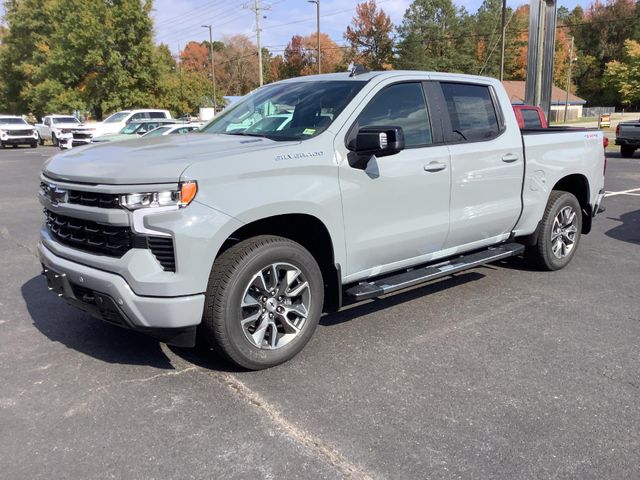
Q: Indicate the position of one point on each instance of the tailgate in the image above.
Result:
(629, 131)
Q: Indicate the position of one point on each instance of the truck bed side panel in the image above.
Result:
(551, 156)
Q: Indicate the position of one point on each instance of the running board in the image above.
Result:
(398, 281)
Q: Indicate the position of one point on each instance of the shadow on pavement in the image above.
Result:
(628, 229)
(394, 299)
(77, 330)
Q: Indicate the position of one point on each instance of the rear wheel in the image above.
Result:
(263, 301)
(559, 233)
(627, 151)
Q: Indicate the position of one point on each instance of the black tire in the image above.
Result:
(34, 145)
(41, 140)
(541, 254)
(627, 151)
(2, 145)
(54, 140)
(230, 276)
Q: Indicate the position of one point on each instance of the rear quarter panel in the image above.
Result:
(549, 158)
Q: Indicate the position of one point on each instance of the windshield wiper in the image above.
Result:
(246, 134)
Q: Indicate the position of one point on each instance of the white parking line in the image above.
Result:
(624, 192)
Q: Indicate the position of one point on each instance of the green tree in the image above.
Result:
(624, 75)
(432, 37)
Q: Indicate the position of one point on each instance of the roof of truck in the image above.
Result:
(366, 76)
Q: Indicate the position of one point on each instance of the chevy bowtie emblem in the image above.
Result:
(55, 195)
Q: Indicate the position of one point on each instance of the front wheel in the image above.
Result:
(263, 301)
(40, 140)
(559, 234)
(34, 145)
(627, 151)
(54, 140)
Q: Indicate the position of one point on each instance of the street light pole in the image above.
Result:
(317, 2)
(504, 13)
(213, 68)
(566, 97)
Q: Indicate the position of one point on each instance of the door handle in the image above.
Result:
(435, 166)
(510, 157)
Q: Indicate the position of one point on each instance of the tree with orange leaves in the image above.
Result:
(370, 37)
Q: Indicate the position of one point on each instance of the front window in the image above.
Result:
(64, 120)
(117, 117)
(12, 121)
(299, 110)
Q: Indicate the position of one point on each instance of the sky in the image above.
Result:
(179, 21)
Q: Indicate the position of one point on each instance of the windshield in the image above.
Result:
(287, 111)
(157, 132)
(116, 117)
(12, 121)
(64, 120)
(131, 128)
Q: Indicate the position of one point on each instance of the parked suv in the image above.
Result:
(15, 131)
(380, 181)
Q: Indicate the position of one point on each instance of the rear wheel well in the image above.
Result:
(578, 185)
(309, 232)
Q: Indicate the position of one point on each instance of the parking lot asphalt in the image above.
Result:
(499, 372)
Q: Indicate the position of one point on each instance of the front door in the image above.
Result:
(396, 211)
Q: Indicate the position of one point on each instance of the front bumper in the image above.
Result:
(19, 140)
(107, 296)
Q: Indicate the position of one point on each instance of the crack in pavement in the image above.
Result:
(4, 233)
(322, 449)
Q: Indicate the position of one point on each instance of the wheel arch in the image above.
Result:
(310, 232)
(578, 185)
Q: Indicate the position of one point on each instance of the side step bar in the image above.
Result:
(398, 281)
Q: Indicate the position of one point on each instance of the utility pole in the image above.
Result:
(213, 68)
(317, 2)
(504, 28)
(257, 8)
(566, 97)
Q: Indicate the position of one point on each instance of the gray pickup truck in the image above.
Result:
(362, 185)
(628, 137)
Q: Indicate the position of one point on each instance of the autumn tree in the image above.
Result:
(369, 36)
(237, 71)
(624, 75)
(332, 55)
(295, 59)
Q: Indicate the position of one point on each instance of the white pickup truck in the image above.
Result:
(15, 131)
(380, 181)
(64, 131)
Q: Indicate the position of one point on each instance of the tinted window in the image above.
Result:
(402, 105)
(157, 115)
(531, 118)
(138, 116)
(471, 109)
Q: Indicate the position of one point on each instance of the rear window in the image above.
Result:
(530, 118)
(471, 110)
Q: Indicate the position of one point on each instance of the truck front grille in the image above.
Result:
(89, 199)
(108, 240)
(91, 236)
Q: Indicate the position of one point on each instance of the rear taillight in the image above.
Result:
(605, 141)
(617, 130)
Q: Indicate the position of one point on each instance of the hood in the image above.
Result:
(149, 160)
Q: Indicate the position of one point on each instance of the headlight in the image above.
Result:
(167, 198)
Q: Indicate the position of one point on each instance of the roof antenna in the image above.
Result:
(357, 69)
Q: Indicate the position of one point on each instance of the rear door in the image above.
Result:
(487, 166)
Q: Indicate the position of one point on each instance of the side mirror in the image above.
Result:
(378, 141)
